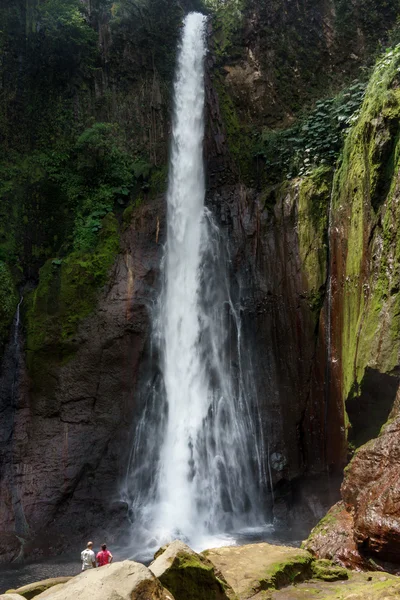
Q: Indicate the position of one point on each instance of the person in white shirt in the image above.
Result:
(88, 557)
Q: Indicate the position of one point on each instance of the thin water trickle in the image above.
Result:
(197, 464)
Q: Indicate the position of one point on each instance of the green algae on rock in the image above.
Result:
(253, 568)
(365, 212)
(358, 586)
(325, 570)
(188, 575)
(66, 294)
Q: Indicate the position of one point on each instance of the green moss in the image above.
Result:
(227, 22)
(238, 138)
(295, 569)
(8, 301)
(324, 525)
(158, 181)
(325, 570)
(66, 294)
(313, 207)
(364, 184)
(192, 578)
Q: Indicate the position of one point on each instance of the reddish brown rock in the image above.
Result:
(372, 489)
(363, 531)
(333, 538)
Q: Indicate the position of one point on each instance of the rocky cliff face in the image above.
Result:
(96, 227)
(365, 328)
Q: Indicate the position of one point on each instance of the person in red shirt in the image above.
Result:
(104, 557)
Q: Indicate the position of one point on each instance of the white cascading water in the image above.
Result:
(196, 470)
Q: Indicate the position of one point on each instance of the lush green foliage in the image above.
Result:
(228, 18)
(67, 292)
(65, 41)
(315, 140)
(78, 185)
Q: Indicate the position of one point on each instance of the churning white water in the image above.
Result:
(196, 469)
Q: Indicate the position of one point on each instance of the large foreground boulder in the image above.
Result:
(188, 575)
(251, 569)
(363, 531)
(11, 596)
(333, 538)
(125, 580)
(34, 589)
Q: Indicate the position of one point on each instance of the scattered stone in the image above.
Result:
(34, 589)
(125, 580)
(251, 569)
(188, 575)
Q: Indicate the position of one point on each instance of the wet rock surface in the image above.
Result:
(371, 489)
(333, 539)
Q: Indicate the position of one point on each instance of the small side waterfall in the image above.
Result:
(10, 403)
(197, 464)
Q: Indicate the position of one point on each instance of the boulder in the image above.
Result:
(50, 591)
(34, 589)
(253, 568)
(333, 538)
(188, 575)
(12, 596)
(125, 580)
(371, 489)
(363, 530)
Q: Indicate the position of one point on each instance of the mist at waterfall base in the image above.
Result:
(197, 469)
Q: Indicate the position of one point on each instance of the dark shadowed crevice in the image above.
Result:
(370, 410)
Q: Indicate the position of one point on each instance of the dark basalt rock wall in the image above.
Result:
(70, 447)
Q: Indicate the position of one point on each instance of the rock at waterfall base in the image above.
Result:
(188, 575)
(333, 538)
(256, 567)
(125, 580)
(34, 589)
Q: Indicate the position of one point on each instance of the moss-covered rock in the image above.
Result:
(8, 301)
(358, 586)
(326, 570)
(188, 575)
(313, 208)
(67, 293)
(253, 568)
(366, 213)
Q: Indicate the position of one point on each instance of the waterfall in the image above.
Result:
(197, 463)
